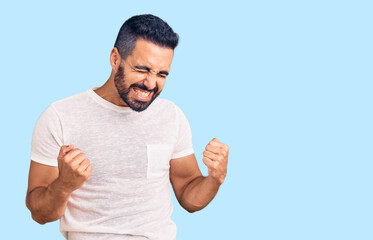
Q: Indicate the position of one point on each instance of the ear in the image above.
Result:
(115, 59)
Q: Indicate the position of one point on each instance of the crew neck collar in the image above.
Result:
(113, 106)
(106, 103)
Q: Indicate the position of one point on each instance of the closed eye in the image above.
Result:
(164, 73)
(142, 69)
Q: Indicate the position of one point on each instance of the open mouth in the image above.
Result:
(141, 94)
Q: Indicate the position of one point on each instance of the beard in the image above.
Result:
(124, 90)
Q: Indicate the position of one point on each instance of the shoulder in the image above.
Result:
(70, 101)
(166, 104)
(166, 107)
(59, 109)
(72, 105)
(170, 109)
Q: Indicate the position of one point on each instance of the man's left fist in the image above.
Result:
(215, 158)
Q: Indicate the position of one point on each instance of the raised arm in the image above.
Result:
(192, 190)
(50, 187)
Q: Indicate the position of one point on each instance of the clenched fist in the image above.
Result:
(215, 158)
(74, 168)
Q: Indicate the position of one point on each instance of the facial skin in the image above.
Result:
(141, 77)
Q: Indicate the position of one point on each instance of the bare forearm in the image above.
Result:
(199, 193)
(47, 204)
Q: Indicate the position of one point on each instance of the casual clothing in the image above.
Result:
(129, 193)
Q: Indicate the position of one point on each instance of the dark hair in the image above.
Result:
(148, 27)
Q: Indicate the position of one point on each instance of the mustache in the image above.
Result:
(143, 87)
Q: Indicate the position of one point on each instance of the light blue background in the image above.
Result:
(286, 84)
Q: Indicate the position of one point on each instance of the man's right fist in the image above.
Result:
(74, 168)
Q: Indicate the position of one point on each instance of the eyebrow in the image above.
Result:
(148, 69)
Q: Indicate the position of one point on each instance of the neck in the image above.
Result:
(109, 92)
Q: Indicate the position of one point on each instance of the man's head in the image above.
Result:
(148, 27)
(145, 44)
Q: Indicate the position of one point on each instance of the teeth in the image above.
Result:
(142, 93)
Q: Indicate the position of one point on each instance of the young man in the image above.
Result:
(102, 161)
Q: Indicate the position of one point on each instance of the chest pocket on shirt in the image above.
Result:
(159, 156)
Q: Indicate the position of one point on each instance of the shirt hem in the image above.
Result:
(183, 153)
(39, 159)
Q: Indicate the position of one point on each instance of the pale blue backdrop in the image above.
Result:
(286, 84)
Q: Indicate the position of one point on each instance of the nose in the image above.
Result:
(150, 81)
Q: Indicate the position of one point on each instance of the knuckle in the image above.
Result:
(213, 166)
(79, 171)
(83, 171)
(65, 159)
(89, 171)
(73, 165)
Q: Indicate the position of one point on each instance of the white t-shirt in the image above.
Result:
(128, 195)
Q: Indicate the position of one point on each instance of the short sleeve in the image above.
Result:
(47, 138)
(184, 145)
